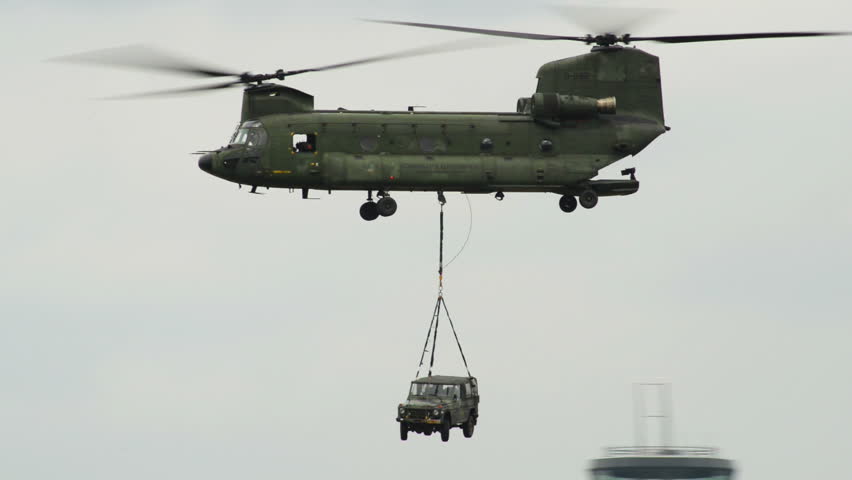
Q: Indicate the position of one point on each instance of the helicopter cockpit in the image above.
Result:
(250, 133)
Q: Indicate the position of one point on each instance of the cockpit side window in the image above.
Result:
(251, 134)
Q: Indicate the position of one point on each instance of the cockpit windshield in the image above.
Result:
(431, 389)
(250, 134)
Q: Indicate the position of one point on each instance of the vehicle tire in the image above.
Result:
(567, 203)
(369, 211)
(445, 430)
(589, 199)
(467, 428)
(403, 431)
(386, 206)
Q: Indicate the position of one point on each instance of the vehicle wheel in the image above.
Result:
(403, 431)
(386, 206)
(567, 203)
(445, 430)
(369, 211)
(467, 428)
(428, 432)
(589, 199)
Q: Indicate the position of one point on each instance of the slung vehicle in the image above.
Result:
(587, 112)
(439, 403)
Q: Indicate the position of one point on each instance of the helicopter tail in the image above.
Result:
(630, 75)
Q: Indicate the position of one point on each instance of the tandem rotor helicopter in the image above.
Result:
(587, 112)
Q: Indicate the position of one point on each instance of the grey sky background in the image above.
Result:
(159, 323)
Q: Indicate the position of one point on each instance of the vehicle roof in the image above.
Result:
(443, 380)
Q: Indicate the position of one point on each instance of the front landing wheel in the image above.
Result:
(567, 203)
(369, 211)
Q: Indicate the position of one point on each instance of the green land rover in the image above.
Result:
(439, 403)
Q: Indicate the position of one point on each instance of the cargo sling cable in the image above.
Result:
(436, 313)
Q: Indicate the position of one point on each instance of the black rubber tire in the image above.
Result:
(427, 433)
(589, 199)
(445, 430)
(386, 206)
(403, 431)
(467, 428)
(567, 203)
(369, 211)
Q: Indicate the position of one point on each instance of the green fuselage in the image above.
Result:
(399, 151)
(558, 140)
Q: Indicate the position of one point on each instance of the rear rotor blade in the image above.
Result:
(735, 36)
(496, 33)
(145, 58)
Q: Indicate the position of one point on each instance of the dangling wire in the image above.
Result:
(469, 229)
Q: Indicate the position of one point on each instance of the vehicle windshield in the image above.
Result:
(434, 390)
(250, 134)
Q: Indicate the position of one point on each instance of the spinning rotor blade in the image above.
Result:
(735, 36)
(608, 19)
(148, 58)
(496, 33)
(145, 58)
(413, 52)
(176, 91)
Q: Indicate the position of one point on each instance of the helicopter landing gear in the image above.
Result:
(588, 199)
(499, 196)
(386, 206)
(567, 203)
(369, 211)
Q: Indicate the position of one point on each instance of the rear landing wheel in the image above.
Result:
(369, 211)
(567, 203)
(386, 206)
(589, 199)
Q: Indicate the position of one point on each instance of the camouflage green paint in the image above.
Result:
(430, 151)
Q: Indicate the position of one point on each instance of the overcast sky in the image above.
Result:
(157, 322)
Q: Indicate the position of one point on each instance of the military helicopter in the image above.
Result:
(587, 112)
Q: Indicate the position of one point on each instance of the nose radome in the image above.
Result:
(206, 162)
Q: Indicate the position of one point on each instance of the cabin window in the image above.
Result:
(486, 145)
(369, 143)
(427, 144)
(304, 143)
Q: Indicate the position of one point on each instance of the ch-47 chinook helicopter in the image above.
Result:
(587, 112)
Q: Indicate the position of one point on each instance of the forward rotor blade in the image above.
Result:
(145, 58)
(413, 52)
(175, 91)
(735, 36)
(496, 33)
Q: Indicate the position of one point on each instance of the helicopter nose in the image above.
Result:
(206, 162)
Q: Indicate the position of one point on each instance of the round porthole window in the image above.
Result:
(546, 146)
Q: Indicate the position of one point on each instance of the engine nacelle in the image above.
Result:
(565, 107)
